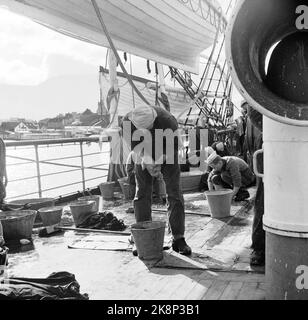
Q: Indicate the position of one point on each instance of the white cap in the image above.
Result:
(214, 156)
(143, 117)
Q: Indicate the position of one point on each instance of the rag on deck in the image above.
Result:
(58, 286)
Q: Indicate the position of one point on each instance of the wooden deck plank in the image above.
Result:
(172, 284)
(199, 290)
(261, 291)
(233, 276)
(239, 241)
(181, 292)
(189, 280)
(248, 291)
(232, 290)
(216, 290)
(148, 287)
(198, 239)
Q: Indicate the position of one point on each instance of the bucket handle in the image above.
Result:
(255, 163)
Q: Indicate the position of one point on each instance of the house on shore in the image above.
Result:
(15, 129)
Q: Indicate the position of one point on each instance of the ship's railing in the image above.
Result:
(19, 161)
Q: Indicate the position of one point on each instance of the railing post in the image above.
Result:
(82, 167)
(38, 171)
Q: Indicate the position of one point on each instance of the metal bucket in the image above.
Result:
(190, 181)
(92, 198)
(17, 225)
(81, 210)
(122, 181)
(149, 239)
(107, 190)
(34, 204)
(220, 203)
(128, 191)
(51, 215)
(3, 259)
(126, 188)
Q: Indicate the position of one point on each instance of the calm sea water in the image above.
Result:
(54, 175)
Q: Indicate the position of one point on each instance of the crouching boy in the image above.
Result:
(230, 173)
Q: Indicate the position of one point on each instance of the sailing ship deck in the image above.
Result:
(218, 269)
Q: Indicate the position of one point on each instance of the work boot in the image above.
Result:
(242, 195)
(257, 258)
(135, 252)
(181, 247)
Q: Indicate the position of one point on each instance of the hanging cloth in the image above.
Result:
(165, 101)
(113, 95)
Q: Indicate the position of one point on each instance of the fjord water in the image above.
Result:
(18, 169)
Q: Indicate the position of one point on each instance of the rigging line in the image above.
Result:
(106, 62)
(209, 61)
(207, 66)
(100, 18)
(207, 72)
(229, 6)
(228, 83)
(217, 89)
(211, 17)
(123, 85)
(215, 66)
(211, 10)
(224, 83)
(167, 74)
(131, 72)
(192, 7)
(201, 8)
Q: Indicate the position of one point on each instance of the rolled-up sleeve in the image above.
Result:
(211, 175)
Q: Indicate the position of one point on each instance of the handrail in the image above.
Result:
(54, 159)
(44, 175)
(73, 166)
(52, 141)
(55, 188)
(70, 184)
(51, 163)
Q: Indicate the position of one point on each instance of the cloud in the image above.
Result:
(17, 72)
(26, 48)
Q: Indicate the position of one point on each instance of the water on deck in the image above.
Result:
(218, 269)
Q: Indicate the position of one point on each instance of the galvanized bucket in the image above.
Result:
(149, 239)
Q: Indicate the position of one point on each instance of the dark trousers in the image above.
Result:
(2, 191)
(143, 197)
(258, 234)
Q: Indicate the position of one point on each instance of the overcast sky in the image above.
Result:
(31, 54)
